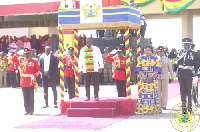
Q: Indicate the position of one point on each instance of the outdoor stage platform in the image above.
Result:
(106, 107)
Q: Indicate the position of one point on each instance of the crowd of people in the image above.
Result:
(26, 67)
(11, 44)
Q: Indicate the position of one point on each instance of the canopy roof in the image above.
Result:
(116, 17)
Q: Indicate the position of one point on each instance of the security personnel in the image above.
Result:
(119, 73)
(187, 63)
(29, 69)
(107, 68)
(69, 72)
(195, 86)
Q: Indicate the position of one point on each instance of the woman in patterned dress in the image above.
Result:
(148, 67)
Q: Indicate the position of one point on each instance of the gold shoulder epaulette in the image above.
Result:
(36, 59)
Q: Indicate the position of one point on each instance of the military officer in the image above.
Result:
(107, 68)
(69, 72)
(187, 63)
(29, 71)
(163, 79)
(133, 61)
(119, 73)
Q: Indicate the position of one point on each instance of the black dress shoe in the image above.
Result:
(31, 113)
(46, 106)
(164, 108)
(55, 106)
(197, 104)
(97, 99)
(26, 113)
(87, 99)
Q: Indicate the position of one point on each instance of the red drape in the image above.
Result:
(28, 8)
(105, 3)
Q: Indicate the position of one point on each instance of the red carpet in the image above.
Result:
(173, 89)
(96, 109)
(106, 107)
(64, 122)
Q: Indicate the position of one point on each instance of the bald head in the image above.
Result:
(47, 50)
(89, 42)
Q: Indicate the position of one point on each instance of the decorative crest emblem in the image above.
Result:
(184, 117)
(91, 11)
(184, 120)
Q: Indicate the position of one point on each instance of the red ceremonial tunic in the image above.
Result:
(11, 65)
(27, 67)
(69, 63)
(119, 66)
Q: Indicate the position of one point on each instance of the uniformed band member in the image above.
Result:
(107, 68)
(69, 72)
(119, 73)
(187, 70)
(29, 69)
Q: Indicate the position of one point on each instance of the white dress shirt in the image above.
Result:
(97, 57)
(46, 62)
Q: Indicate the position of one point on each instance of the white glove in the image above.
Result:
(32, 76)
(194, 80)
(16, 71)
(20, 52)
(65, 52)
(113, 51)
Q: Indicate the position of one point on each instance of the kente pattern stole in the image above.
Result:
(89, 62)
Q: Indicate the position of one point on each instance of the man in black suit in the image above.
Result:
(48, 67)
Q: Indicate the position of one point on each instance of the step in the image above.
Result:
(95, 104)
(92, 112)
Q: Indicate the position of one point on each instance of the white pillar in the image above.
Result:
(187, 23)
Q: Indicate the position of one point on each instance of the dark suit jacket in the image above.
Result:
(53, 66)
